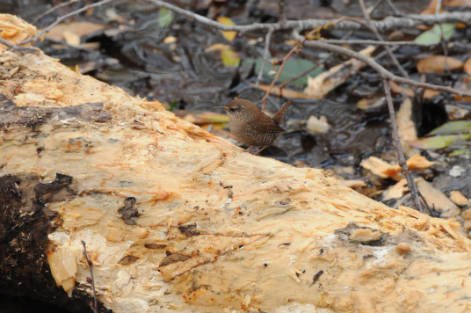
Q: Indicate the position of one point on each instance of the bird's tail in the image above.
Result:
(278, 117)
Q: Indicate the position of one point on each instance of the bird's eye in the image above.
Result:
(232, 109)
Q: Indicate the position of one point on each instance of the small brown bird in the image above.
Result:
(250, 125)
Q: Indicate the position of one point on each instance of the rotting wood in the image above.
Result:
(216, 229)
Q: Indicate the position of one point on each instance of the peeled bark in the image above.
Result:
(178, 220)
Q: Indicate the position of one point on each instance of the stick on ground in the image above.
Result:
(92, 278)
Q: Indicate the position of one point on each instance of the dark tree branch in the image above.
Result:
(56, 7)
(393, 58)
(397, 143)
(377, 67)
(266, 55)
(386, 24)
(62, 18)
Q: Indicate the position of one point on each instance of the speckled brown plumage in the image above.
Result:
(250, 125)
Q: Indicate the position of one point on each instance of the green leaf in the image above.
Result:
(229, 57)
(433, 36)
(459, 152)
(165, 17)
(173, 105)
(454, 127)
(293, 68)
(439, 142)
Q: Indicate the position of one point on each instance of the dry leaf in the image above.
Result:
(456, 112)
(446, 3)
(396, 88)
(366, 104)
(438, 64)
(71, 38)
(217, 47)
(467, 66)
(229, 57)
(229, 35)
(286, 92)
(405, 124)
(322, 84)
(169, 39)
(79, 29)
(458, 198)
(436, 199)
(465, 85)
(439, 142)
(430, 93)
(466, 215)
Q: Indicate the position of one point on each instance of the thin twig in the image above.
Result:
(266, 56)
(62, 18)
(281, 11)
(304, 73)
(393, 58)
(56, 7)
(16, 47)
(248, 7)
(397, 143)
(374, 42)
(278, 74)
(386, 24)
(377, 67)
(375, 6)
(90, 267)
(394, 9)
(443, 42)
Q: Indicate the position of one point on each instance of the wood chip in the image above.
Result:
(318, 87)
(396, 191)
(458, 198)
(317, 125)
(381, 168)
(436, 199)
(365, 235)
(403, 248)
(418, 162)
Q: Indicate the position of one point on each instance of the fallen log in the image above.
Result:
(178, 220)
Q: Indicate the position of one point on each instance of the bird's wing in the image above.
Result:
(266, 125)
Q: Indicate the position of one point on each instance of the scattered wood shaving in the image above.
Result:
(396, 191)
(318, 87)
(385, 170)
(458, 198)
(436, 199)
(418, 162)
(381, 168)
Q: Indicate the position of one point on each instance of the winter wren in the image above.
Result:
(250, 125)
